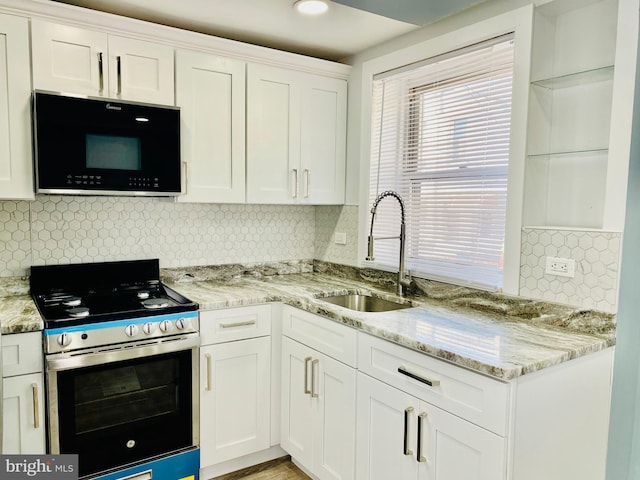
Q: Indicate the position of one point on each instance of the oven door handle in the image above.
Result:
(62, 361)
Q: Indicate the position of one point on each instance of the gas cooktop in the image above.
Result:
(98, 292)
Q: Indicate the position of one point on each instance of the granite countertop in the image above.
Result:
(500, 336)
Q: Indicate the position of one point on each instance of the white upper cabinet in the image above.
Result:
(16, 177)
(74, 60)
(210, 92)
(323, 139)
(296, 137)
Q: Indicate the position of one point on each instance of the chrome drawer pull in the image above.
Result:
(426, 381)
(207, 357)
(405, 447)
(306, 376)
(238, 324)
(419, 457)
(36, 407)
(314, 393)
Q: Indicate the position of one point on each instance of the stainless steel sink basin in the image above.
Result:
(365, 303)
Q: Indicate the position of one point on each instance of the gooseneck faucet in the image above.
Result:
(404, 280)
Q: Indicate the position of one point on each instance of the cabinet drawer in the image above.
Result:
(227, 325)
(21, 354)
(474, 397)
(329, 337)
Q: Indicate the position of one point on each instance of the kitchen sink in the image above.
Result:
(365, 303)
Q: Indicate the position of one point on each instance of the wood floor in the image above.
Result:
(279, 469)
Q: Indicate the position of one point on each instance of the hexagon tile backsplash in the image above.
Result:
(597, 257)
(61, 229)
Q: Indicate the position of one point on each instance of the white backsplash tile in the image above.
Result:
(61, 229)
(597, 257)
(341, 219)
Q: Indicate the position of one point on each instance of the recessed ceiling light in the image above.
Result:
(311, 7)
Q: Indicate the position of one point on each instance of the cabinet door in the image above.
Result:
(210, 92)
(296, 433)
(323, 140)
(273, 140)
(334, 383)
(23, 415)
(386, 425)
(69, 59)
(140, 71)
(451, 448)
(235, 399)
(16, 174)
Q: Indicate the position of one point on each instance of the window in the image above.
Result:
(440, 138)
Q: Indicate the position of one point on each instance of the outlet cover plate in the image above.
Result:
(564, 267)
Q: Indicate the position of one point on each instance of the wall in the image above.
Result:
(623, 462)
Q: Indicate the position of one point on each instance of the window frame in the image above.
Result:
(518, 21)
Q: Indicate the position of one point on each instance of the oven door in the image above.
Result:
(124, 406)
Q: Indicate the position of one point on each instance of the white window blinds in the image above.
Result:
(440, 138)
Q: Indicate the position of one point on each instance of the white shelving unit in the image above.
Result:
(576, 105)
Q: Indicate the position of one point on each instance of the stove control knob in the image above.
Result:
(182, 323)
(149, 328)
(64, 339)
(166, 325)
(131, 330)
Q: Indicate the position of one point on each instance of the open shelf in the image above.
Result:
(575, 79)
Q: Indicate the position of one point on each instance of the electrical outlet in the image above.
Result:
(564, 267)
(340, 238)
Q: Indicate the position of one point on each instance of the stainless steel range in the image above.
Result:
(122, 370)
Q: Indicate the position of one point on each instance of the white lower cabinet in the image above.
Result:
(318, 407)
(400, 436)
(423, 418)
(235, 384)
(23, 420)
(235, 408)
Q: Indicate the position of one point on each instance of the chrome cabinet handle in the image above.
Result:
(405, 446)
(419, 457)
(238, 324)
(119, 72)
(415, 376)
(207, 357)
(186, 177)
(306, 375)
(307, 174)
(315, 363)
(100, 72)
(36, 407)
(295, 183)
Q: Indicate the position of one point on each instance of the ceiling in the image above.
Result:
(349, 26)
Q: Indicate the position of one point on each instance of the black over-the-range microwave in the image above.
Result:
(88, 146)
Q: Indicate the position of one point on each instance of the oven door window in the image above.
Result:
(122, 412)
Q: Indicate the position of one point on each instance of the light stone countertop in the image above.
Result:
(503, 337)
